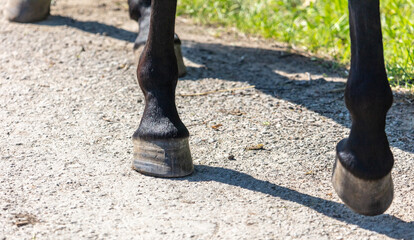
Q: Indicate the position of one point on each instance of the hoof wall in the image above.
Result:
(366, 197)
(162, 158)
(26, 11)
(182, 70)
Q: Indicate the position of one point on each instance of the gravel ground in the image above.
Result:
(69, 104)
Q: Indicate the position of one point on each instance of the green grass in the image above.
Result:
(320, 27)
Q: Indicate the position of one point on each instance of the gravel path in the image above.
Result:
(69, 104)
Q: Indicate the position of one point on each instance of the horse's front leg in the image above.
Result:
(140, 11)
(161, 141)
(362, 172)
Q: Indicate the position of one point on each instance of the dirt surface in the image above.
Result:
(69, 104)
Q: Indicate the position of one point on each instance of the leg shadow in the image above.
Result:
(91, 27)
(386, 224)
(262, 68)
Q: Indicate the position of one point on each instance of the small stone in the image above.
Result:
(211, 140)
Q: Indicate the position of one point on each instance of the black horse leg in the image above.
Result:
(27, 10)
(140, 11)
(362, 172)
(161, 141)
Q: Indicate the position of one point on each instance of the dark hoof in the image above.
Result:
(26, 11)
(366, 197)
(162, 158)
(182, 70)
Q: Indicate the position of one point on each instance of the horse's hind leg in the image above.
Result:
(161, 141)
(140, 11)
(362, 172)
(27, 10)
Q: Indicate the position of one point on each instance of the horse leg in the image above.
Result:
(161, 141)
(27, 10)
(362, 171)
(140, 11)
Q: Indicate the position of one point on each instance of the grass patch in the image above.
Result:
(320, 27)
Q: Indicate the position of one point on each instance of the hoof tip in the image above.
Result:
(163, 158)
(366, 197)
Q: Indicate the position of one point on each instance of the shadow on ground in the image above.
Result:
(90, 27)
(259, 67)
(386, 224)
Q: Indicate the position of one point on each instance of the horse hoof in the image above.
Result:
(366, 197)
(182, 70)
(163, 157)
(26, 11)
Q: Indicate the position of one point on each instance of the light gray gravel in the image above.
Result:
(69, 104)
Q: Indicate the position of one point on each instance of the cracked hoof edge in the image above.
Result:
(366, 197)
(163, 158)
